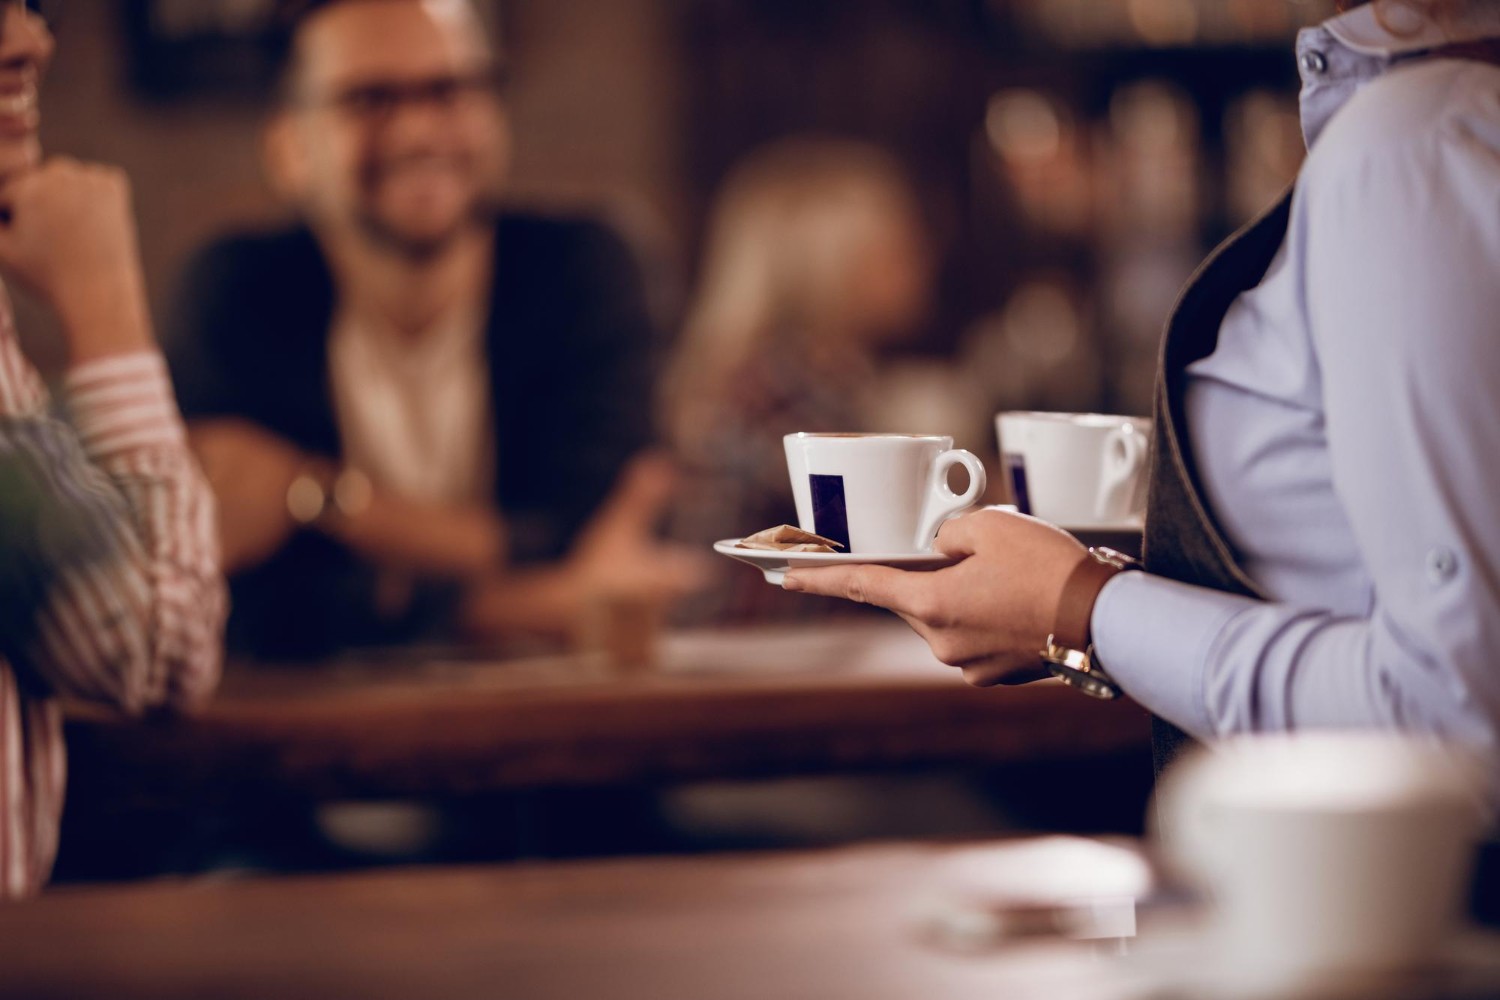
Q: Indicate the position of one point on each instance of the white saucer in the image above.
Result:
(775, 564)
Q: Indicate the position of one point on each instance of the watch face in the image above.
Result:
(1087, 683)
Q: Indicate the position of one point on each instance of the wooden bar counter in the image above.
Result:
(723, 704)
(828, 925)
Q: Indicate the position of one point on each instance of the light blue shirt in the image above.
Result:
(1347, 427)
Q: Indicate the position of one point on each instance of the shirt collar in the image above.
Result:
(1342, 54)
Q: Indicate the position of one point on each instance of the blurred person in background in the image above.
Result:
(109, 583)
(817, 256)
(414, 408)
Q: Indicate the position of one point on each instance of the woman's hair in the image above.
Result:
(784, 237)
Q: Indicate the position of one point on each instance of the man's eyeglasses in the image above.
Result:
(374, 103)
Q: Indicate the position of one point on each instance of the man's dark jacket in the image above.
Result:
(570, 354)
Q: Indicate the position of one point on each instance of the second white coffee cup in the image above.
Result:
(1076, 469)
(878, 493)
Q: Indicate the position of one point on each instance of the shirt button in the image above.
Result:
(1442, 565)
(1315, 62)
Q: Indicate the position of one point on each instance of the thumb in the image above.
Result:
(956, 538)
(882, 586)
(963, 536)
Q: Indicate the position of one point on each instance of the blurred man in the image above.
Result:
(109, 585)
(413, 410)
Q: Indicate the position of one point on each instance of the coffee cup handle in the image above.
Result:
(1125, 452)
(942, 502)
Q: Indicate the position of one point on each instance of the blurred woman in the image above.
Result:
(816, 258)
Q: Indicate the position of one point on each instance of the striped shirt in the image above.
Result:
(109, 581)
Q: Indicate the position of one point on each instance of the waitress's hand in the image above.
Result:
(67, 233)
(991, 613)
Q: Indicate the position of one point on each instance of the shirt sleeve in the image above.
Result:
(1402, 243)
(128, 605)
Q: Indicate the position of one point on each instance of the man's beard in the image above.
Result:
(424, 249)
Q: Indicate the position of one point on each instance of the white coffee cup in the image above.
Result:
(1076, 469)
(878, 493)
(1328, 855)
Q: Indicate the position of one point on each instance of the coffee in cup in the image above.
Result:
(1076, 469)
(878, 493)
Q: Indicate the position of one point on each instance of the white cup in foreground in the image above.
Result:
(878, 493)
(1328, 855)
(1075, 469)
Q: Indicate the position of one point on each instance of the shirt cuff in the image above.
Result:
(122, 403)
(1154, 637)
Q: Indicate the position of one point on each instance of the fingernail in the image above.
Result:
(791, 583)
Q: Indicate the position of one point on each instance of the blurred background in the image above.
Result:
(884, 215)
(1071, 159)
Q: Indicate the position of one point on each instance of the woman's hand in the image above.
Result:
(991, 613)
(68, 234)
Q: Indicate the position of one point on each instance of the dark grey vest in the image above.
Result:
(1183, 541)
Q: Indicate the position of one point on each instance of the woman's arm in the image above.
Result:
(111, 545)
(251, 470)
(111, 578)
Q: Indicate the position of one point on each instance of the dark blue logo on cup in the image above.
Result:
(1015, 473)
(830, 512)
